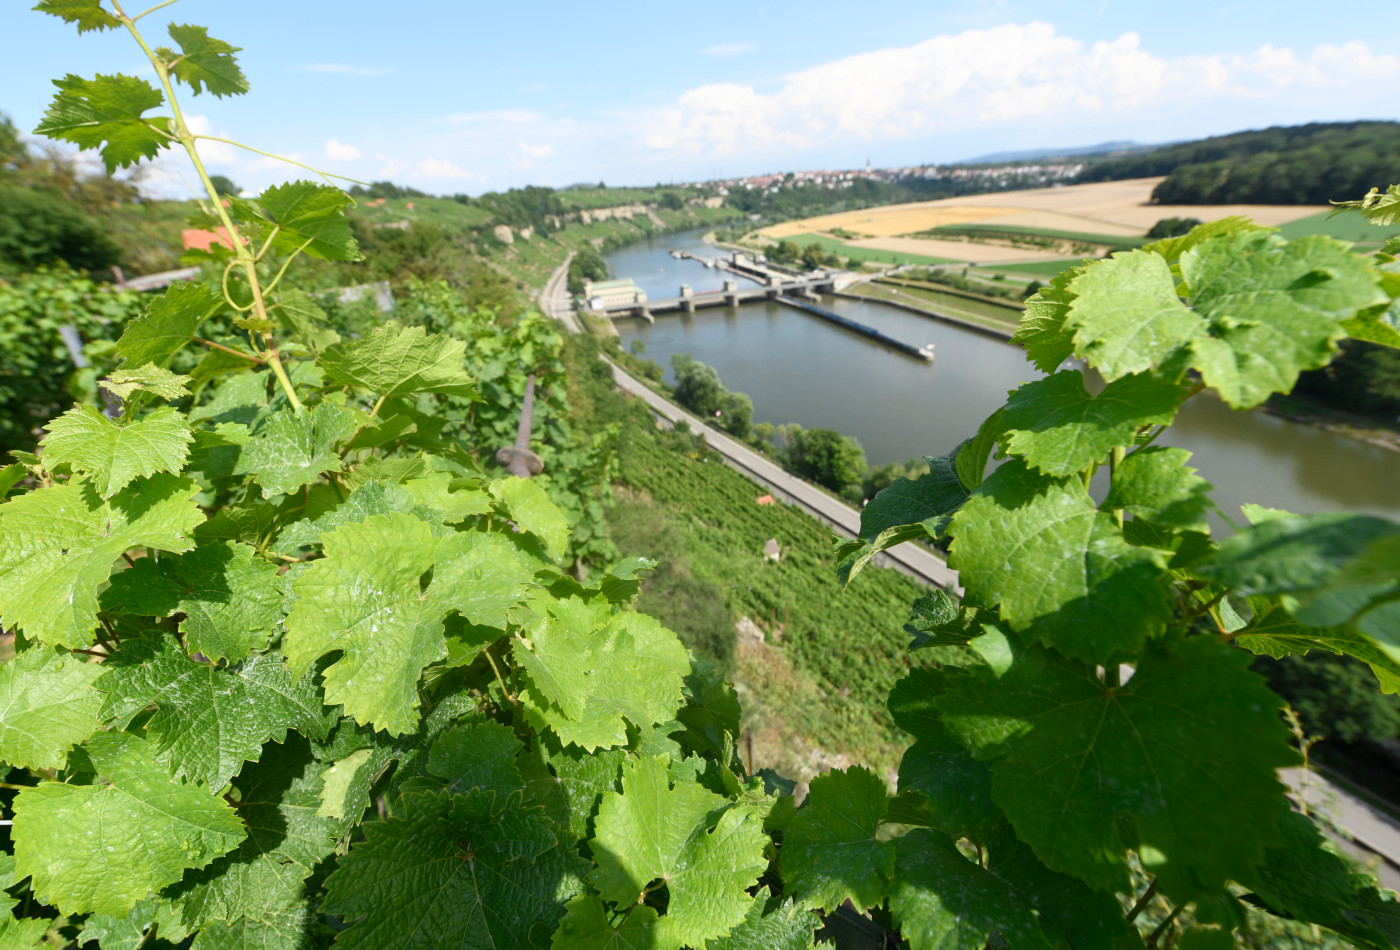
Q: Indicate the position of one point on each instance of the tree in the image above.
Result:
(699, 389)
(39, 227)
(827, 457)
(224, 185)
(1171, 227)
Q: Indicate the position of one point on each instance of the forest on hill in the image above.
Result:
(1284, 165)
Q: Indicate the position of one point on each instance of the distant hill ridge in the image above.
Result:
(1043, 154)
(1301, 164)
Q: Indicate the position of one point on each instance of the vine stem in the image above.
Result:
(245, 257)
(504, 689)
(229, 349)
(1143, 901)
(281, 158)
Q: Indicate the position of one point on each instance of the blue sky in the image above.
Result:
(453, 96)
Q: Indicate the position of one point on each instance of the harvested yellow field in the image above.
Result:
(1111, 209)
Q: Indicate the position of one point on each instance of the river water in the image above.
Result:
(800, 369)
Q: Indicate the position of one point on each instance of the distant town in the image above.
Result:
(992, 176)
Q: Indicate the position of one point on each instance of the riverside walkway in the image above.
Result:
(916, 561)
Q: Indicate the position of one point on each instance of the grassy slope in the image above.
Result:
(969, 308)
(833, 246)
(1349, 227)
(838, 650)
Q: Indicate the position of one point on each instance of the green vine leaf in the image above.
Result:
(830, 852)
(771, 924)
(169, 322)
(943, 901)
(1275, 308)
(263, 879)
(107, 112)
(1042, 329)
(87, 14)
(1302, 879)
(591, 672)
(113, 455)
(1126, 316)
(58, 544)
(1085, 770)
(102, 848)
(1058, 567)
(450, 871)
(652, 832)
(294, 448)
(972, 456)
(1155, 484)
(588, 925)
(209, 719)
(204, 63)
(1058, 428)
(230, 597)
(391, 360)
(47, 705)
(1273, 632)
(307, 217)
(958, 787)
(531, 509)
(366, 598)
(149, 378)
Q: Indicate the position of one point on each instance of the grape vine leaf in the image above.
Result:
(449, 871)
(830, 852)
(108, 112)
(1058, 567)
(168, 323)
(290, 927)
(22, 933)
(230, 597)
(1303, 880)
(307, 217)
(393, 360)
(102, 848)
(1067, 908)
(294, 448)
(132, 931)
(590, 670)
(771, 924)
(531, 509)
(1126, 316)
(1293, 554)
(57, 546)
(585, 777)
(366, 598)
(1155, 484)
(943, 901)
(204, 63)
(1272, 632)
(371, 498)
(1085, 770)
(278, 800)
(47, 705)
(209, 719)
(958, 787)
(651, 831)
(971, 459)
(113, 455)
(1379, 207)
(928, 500)
(1058, 428)
(149, 378)
(478, 754)
(1274, 307)
(1042, 329)
(87, 14)
(1172, 248)
(587, 926)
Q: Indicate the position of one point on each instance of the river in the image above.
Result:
(800, 369)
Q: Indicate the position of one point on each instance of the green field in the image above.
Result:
(1036, 269)
(1347, 226)
(969, 308)
(841, 248)
(991, 230)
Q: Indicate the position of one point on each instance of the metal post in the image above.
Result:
(517, 458)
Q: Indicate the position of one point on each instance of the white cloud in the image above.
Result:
(729, 49)
(442, 169)
(991, 77)
(536, 152)
(343, 69)
(338, 152)
(212, 153)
